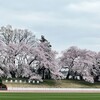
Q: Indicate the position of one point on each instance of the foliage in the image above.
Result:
(82, 62)
(22, 55)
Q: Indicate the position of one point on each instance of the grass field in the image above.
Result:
(49, 96)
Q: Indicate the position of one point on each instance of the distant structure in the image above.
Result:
(64, 70)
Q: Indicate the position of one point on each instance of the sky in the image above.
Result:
(64, 23)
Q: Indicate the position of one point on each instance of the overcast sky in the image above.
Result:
(63, 22)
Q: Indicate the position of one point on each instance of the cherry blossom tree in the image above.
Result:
(68, 57)
(48, 65)
(16, 45)
(80, 62)
(22, 55)
(83, 65)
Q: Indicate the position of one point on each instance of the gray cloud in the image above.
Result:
(63, 22)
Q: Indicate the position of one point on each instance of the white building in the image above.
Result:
(64, 70)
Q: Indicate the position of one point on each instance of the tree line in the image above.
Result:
(82, 62)
(22, 55)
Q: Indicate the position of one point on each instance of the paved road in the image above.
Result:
(54, 90)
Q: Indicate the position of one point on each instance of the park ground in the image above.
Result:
(85, 95)
(56, 84)
(49, 96)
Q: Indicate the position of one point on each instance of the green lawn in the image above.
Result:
(49, 96)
